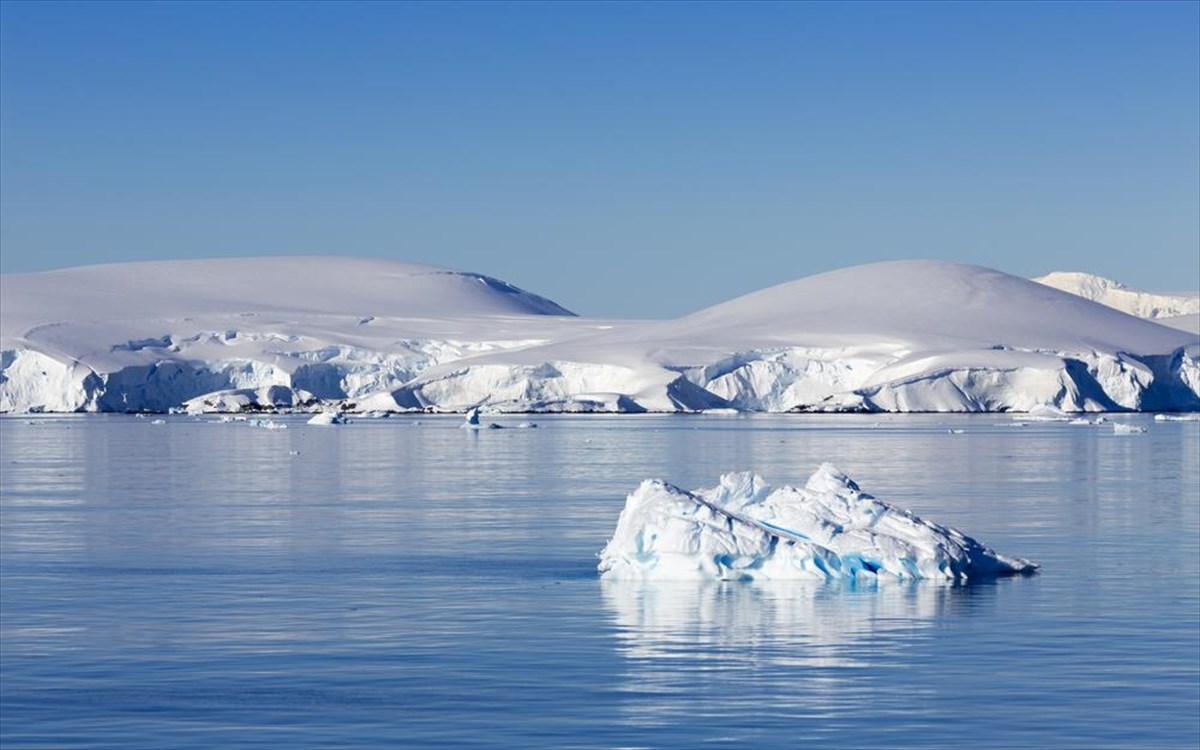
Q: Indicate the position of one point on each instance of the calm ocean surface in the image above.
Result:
(395, 584)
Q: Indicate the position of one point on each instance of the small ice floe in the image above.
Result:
(472, 422)
(527, 426)
(953, 431)
(376, 414)
(744, 529)
(157, 421)
(293, 453)
(268, 424)
(1045, 413)
(1120, 428)
(139, 416)
(1177, 417)
(327, 418)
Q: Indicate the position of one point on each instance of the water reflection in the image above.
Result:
(424, 586)
(815, 648)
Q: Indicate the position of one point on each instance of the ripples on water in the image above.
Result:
(393, 584)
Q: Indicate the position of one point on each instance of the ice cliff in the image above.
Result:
(358, 335)
(744, 529)
(1116, 295)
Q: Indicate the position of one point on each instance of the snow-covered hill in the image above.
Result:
(1117, 295)
(1189, 323)
(898, 336)
(153, 335)
(370, 334)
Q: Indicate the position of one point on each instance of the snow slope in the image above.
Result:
(1189, 323)
(898, 336)
(1117, 295)
(744, 529)
(370, 335)
(153, 335)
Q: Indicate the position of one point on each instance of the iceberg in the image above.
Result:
(327, 418)
(471, 422)
(745, 529)
(1177, 417)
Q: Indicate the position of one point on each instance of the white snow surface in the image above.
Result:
(1189, 323)
(1116, 295)
(745, 529)
(372, 335)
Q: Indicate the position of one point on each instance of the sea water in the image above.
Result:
(404, 583)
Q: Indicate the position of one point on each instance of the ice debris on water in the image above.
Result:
(745, 529)
(1044, 413)
(267, 424)
(472, 422)
(264, 423)
(1120, 428)
(327, 418)
(1193, 417)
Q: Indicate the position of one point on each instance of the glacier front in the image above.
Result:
(347, 334)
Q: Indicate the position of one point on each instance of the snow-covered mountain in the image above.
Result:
(899, 336)
(370, 334)
(1117, 295)
(153, 335)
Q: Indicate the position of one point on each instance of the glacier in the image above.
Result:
(361, 335)
(829, 529)
(1117, 295)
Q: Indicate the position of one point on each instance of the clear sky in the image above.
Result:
(623, 159)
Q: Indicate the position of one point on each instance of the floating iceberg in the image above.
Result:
(744, 529)
(327, 418)
(1120, 428)
(1177, 417)
(267, 424)
(471, 422)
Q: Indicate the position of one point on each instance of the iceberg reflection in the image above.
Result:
(819, 649)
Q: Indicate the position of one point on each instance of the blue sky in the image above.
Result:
(624, 159)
